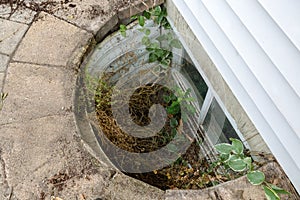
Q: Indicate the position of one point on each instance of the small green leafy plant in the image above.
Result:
(232, 157)
(179, 104)
(163, 55)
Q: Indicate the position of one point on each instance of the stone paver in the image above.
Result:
(10, 35)
(51, 41)
(53, 151)
(89, 14)
(22, 15)
(35, 91)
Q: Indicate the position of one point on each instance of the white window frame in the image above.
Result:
(211, 93)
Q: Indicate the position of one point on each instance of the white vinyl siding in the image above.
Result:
(255, 46)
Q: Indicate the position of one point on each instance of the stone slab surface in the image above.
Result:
(4, 11)
(43, 157)
(36, 91)
(89, 15)
(122, 187)
(2, 75)
(3, 62)
(11, 34)
(21, 15)
(51, 41)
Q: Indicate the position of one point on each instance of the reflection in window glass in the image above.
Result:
(195, 79)
(216, 125)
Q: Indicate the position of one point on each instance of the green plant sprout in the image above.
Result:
(232, 157)
(2, 98)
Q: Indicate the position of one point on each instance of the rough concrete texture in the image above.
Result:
(24, 15)
(3, 62)
(4, 11)
(50, 41)
(51, 94)
(41, 154)
(10, 35)
(89, 14)
(2, 75)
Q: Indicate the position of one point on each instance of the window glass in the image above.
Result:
(216, 125)
(195, 79)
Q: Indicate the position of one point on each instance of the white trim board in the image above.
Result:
(238, 38)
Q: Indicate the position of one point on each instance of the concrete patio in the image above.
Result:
(41, 153)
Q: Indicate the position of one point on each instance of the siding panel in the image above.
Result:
(255, 46)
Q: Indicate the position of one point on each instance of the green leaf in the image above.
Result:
(160, 53)
(174, 108)
(141, 20)
(237, 145)
(166, 98)
(270, 194)
(133, 17)
(153, 46)
(248, 161)
(175, 43)
(147, 31)
(161, 38)
(256, 177)
(145, 41)
(123, 27)
(278, 190)
(165, 62)
(234, 157)
(157, 11)
(237, 165)
(173, 122)
(153, 57)
(159, 19)
(224, 157)
(173, 97)
(174, 131)
(147, 14)
(223, 148)
(164, 12)
(166, 24)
